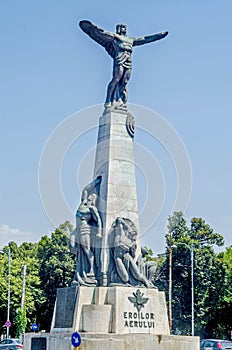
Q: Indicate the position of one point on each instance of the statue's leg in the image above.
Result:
(137, 275)
(117, 75)
(90, 257)
(85, 243)
(123, 84)
(121, 270)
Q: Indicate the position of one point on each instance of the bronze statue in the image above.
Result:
(119, 46)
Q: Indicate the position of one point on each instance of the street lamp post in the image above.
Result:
(8, 302)
(191, 248)
(8, 298)
(170, 285)
(192, 285)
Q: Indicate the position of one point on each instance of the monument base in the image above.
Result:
(90, 341)
(116, 309)
(110, 318)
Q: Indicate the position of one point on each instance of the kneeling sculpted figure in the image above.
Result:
(124, 270)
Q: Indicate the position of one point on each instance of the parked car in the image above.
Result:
(215, 344)
(10, 344)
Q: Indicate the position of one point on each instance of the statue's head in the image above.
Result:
(91, 200)
(144, 251)
(121, 29)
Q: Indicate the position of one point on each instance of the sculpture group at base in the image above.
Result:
(85, 243)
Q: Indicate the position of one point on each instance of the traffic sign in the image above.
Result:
(76, 339)
(8, 324)
(34, 327)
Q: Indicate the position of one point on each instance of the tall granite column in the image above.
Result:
(114, 161)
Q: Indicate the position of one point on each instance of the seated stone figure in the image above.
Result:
(146, 267)
(123, 268)
(85, 239)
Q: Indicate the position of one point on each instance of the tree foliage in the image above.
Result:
(50, 265)
(57, 266)
(211, 276)
(221, 320)
(26, 254)
(21, 322)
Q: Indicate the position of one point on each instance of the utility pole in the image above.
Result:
(8, 299)
(23, 286)
(170, 283)
(8, 323)
(192, 285)
(23, 292)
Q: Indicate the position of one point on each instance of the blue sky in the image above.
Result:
(50, 70)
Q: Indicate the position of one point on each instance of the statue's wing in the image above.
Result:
(98, 34)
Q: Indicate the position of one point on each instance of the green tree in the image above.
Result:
(21, 322)
(57, 267)
(209, 273)
(221, 320)
(49, 266)
(34, 296)
(227, 260)
(3, 289)
(26, 254)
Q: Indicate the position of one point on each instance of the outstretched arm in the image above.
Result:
(149, 38)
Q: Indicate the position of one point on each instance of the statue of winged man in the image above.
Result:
(119, 46)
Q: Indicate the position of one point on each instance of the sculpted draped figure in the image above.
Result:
(119, 46)
(85, 240)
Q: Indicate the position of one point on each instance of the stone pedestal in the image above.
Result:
(111, 318)
(114, 162)
(95, 341)
(138, 310)
(115, 309)
(96, 318)
(67, 315)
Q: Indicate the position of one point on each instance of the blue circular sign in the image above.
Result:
(35, 327)
(76, 339)
(8, 324)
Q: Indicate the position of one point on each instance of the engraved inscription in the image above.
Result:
(139, 319)
(65, 304)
